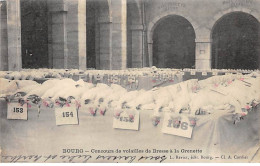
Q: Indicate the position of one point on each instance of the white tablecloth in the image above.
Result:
(214, 134)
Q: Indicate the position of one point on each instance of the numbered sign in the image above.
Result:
(182, 129)
(204, 73)
(66, 115)
(16, 111)
(128, 121)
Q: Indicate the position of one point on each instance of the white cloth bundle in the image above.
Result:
(7, 86)
(43, 88)
(91, 94)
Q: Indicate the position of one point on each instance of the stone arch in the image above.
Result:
(217, 17)
(235, 55)
(153, 24)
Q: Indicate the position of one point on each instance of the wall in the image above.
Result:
(134, 34)
(76, 34)
(14, 35)
(3, 37)
(202, 14)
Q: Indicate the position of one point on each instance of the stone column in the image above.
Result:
(150, 53)
(97, 41)
(14, 35)
(50, 48)
(76, 34)
(58, 10)
(137, 52)
(203, 53)
(1, 61)
(105, 43)
(119, 34)
(3, 37)
(258, 49)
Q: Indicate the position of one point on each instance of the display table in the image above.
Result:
(214, 137)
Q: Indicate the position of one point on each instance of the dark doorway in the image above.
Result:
(91, 32)
(34, 32)
(236, 42)
(174, 43)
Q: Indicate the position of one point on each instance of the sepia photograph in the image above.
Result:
(129, 81)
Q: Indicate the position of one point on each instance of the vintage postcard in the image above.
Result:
(129, 81)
